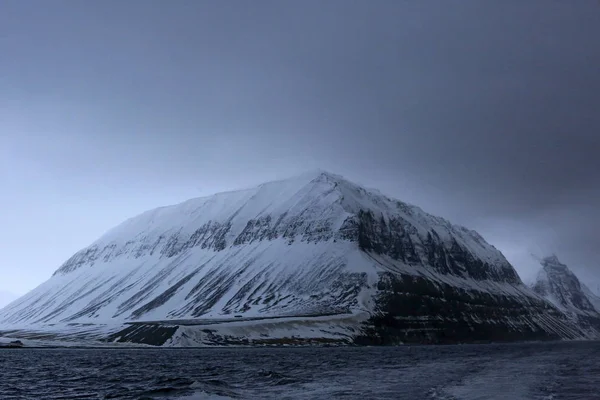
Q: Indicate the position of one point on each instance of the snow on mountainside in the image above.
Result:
(560, 286)
(591, 296)
(312, 256)
(557, 283)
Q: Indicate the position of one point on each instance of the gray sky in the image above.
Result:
(484, 112)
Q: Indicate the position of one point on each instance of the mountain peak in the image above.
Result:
(310, 175)
(552, 261)
(317, 172)
(559, 285)
(315, 206)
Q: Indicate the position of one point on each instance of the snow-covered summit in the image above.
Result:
(313, 206)
(292, 197)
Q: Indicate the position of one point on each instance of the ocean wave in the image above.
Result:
(538, 371)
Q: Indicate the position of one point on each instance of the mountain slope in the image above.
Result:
(557, 283)
(560, 286)
(312, 256)
(591, 296)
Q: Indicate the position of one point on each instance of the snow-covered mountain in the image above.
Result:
(560, 286)
(312, 257)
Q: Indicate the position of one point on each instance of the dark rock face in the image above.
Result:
(209, 236)
(153, 335)
(15, 344)
(398, 239)
(413, 309)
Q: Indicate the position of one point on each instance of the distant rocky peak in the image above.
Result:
(553, 262)
(554, 270)
(558, 284)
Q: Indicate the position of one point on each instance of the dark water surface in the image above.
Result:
(512, 371)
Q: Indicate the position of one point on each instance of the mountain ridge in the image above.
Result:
(349, 204)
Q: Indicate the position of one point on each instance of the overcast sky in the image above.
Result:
(484, 112)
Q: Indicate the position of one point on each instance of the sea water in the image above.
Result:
(561, 370)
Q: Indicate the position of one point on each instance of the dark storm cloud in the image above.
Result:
(484, 112)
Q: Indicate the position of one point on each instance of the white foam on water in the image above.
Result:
(497, 381)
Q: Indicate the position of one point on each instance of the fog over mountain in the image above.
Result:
(484, 113)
